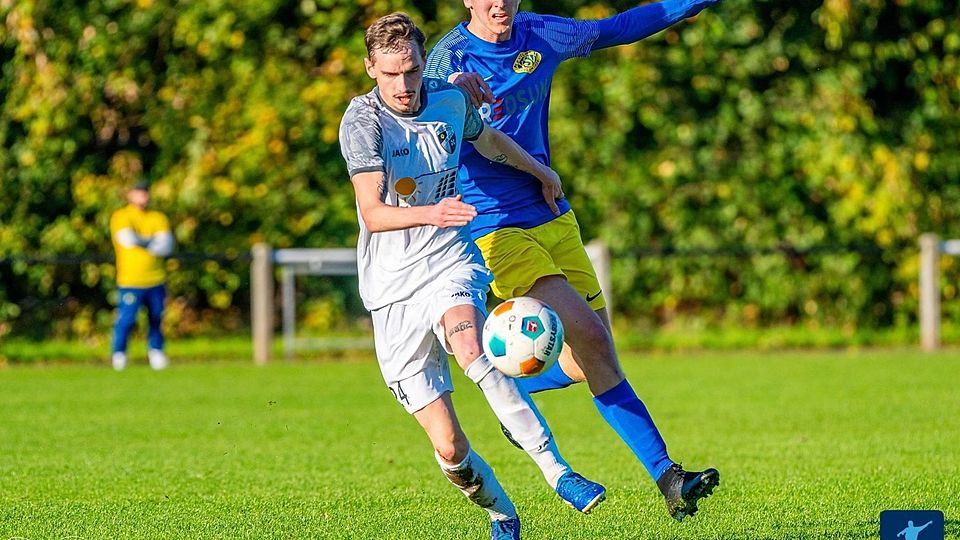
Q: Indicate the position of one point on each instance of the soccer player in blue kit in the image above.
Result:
(530, 240)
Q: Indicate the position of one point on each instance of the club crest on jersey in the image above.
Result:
(447, 137)
(527, 62)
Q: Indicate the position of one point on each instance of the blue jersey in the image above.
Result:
(520, 72)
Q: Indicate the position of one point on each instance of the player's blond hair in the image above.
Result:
(392, 33)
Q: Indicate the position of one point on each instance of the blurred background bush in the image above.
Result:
(765, 164)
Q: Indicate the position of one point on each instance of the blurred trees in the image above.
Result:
(757, 124)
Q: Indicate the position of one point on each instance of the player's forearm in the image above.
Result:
(499, 147)
(382, 218)
(644, 21)
(161, 245)
(128, 238)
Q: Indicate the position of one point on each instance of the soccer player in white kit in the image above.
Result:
(422, 277)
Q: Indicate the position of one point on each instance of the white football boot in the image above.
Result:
(119, 360)
(158, 360)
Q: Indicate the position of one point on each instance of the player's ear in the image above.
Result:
(368, 64)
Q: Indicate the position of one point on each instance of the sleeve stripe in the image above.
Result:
(370, 168)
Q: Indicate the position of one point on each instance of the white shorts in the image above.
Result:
(411, 347)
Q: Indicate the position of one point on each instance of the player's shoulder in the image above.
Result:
(434, 85)
(441, 88)
(453, 40)
(157, 216)
(363, 111)
(120, 214)
(527, 22)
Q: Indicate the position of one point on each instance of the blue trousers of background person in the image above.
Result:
(130, 302)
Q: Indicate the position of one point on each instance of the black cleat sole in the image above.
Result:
(709, 480)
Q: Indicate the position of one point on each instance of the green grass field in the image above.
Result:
(810, 445)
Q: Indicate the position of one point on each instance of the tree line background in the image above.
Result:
(765, 163)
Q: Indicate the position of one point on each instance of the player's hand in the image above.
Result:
(452, 212)
(552, 189)
(475, 87)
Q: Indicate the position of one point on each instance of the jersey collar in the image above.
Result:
(482, 44)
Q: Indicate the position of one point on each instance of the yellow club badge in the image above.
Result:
(526, 62)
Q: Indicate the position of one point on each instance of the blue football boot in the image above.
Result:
(580, 493)
(508, 529)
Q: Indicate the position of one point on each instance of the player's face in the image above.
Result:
(491, 20)
(138, 197)
(399, 75)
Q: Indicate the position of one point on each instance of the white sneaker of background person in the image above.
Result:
(158, 360)
(119, 360)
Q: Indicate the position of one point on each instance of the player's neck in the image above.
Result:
(487, 34)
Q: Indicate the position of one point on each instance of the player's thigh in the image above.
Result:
(129, 302)
(463, 325)
(413, 363)
(517, 259)
(570, 255)
(460, 309)
(154, 299)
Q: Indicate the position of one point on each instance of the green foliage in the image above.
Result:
(756, 124)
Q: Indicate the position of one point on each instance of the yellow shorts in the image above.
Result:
(519, 257)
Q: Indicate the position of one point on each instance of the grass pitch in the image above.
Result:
(810, 446)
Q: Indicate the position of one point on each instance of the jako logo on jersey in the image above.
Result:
(398, 152)
(526, 62)
(516, 101)
(447, 137)
(460, 294)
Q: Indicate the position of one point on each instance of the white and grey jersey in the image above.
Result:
(418, 154)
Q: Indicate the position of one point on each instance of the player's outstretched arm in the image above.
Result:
(371, 188)
(643, 21)
(496, 146)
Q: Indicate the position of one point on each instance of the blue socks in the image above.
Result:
(553, 378)
(627, 415)
(622, 409)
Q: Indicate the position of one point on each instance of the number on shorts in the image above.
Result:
(398, 394)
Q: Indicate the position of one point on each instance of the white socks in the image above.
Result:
(475, 479)
(516, 411)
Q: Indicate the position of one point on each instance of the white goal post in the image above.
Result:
(930, 249)
(328, 262)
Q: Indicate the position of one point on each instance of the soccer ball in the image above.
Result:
(523, 337)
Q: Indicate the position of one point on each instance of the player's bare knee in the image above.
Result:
(454, 450)
(594, 339)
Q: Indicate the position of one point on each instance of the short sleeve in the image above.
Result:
(361, 139)
(440, 64)
(161, 222)
(472, 124)
(120, 220)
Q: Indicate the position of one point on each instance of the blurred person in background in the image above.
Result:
(141, 239)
